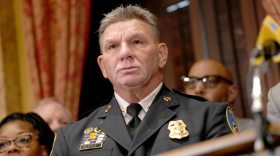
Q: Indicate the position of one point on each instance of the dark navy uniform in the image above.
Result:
(203, 119)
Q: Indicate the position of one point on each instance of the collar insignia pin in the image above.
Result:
(166, 98)
(177, 129)
(108, 108)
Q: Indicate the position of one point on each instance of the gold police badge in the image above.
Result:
(177, 129)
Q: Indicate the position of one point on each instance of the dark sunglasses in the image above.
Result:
(209, 81)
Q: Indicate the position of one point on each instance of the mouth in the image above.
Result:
(128, 69)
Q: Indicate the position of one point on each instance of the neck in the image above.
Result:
(138, 93)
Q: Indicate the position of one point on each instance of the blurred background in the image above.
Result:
(50, 47)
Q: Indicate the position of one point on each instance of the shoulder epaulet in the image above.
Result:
(87, 113)
(199, 98)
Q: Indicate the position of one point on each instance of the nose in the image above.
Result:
(55, 125)
(126, 52)
(199, 89)
(13, 148)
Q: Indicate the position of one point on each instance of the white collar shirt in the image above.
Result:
(145, 103)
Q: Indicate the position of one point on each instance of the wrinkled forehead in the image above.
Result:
(133, 25)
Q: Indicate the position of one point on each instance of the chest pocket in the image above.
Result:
(94, 152)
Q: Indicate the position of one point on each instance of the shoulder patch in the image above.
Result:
(199, 98)
(231, 120)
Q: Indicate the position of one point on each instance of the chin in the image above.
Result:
(130, 84)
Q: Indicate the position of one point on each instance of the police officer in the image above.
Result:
(143, 117)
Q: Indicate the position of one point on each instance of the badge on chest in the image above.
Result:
(177, 129)
(93, 138)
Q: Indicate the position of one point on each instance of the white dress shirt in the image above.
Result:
(145, 103)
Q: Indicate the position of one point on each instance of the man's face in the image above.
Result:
(54, 114)
(131, 54)
(218, 93)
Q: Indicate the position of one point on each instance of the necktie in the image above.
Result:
(133, 110)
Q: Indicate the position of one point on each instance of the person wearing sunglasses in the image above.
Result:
(211, 80)
(25, 135)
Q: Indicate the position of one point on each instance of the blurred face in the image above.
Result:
(131, 56)
(217, 93)
(54, 114)
(15, 129)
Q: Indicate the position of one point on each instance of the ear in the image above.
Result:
(44, 150)
(232, 94)
(163, 54)
(101, 66)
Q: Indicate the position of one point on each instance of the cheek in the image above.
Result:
(188, 91)
(32, 150)
(217, 95)
(110, 64)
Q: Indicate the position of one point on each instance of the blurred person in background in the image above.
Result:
(53, 112)
(25, 135)
(273, 105)
(211, 80)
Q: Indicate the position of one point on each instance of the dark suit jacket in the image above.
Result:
(204, 120)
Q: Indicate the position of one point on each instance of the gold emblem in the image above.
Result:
(235, 128)
(108, 108)
(88, 130)
(177, 129)
(96, 129)
(231, 112)
(166, 98)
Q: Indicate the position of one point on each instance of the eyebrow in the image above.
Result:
(16, 135)
(130, 36)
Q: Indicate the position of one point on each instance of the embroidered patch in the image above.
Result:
(93, 140)
(231, 120)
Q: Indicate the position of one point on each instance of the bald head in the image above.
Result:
(209, 67)
(53, 112)
(223, 92)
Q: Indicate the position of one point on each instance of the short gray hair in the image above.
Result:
(129, 12)
(47, 100)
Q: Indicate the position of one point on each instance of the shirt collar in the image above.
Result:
(145, 103)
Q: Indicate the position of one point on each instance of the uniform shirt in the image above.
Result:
(145, 103)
